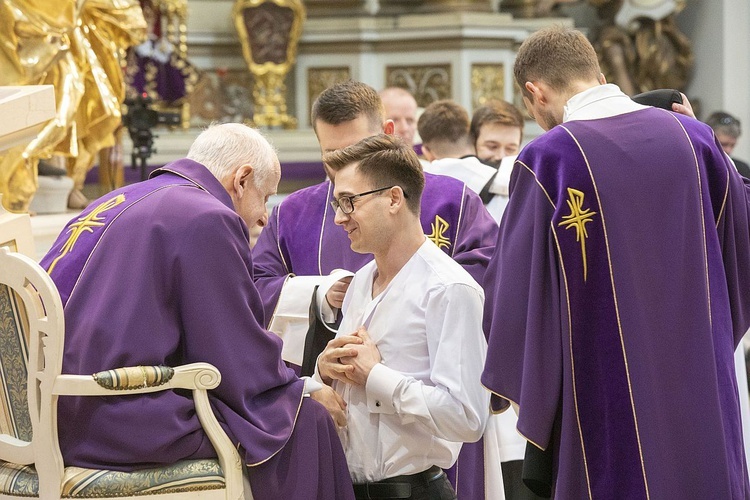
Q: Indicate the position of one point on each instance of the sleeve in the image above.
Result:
(522, 316)
(733, 226)
(476, 236)
(259, 397)
(454, 407)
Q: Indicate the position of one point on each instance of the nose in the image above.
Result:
(263, 221)
(340, 217)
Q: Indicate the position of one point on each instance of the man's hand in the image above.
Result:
(335, 294)
(685, 108)
(329, 364)
(333, 403)
(367, 356)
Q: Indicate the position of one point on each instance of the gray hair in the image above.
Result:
(222, 148)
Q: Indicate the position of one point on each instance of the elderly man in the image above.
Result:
(409, 351)
(618, 290)
(160, 273)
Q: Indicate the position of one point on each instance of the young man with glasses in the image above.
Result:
(410, 348)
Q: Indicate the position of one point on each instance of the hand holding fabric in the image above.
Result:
(335, 295)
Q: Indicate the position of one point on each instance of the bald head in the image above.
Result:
(401, 107)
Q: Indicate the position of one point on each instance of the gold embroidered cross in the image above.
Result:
(578, 218)
(439, 227)
(85, 224)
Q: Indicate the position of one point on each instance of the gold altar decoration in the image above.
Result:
(162, 59)
(640, 46)
(428, 83)
(75, 45)
(319, 79)
(269, 32)
(487, 84)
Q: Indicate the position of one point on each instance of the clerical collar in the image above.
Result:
(609, 100)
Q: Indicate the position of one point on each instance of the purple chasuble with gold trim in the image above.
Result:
(615, 298)
(160, 273)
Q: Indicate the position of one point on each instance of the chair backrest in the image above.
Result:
(15, 232)
(32, 333)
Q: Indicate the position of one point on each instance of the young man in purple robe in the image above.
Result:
(301, 248)
(619, 289)
(160, 273)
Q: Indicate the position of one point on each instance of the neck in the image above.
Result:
(403, 244)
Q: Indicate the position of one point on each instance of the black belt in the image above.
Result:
(398, 486)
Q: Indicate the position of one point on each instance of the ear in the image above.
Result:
(536, 91)
(398, 200)
(241, 177)
(427, 153)
(389, 127)
(602, 79)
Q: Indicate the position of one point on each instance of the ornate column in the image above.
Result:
(269, 31)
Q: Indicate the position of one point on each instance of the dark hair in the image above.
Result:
(557, 56)
(499, 112)
(723, 122)
(443, 121)
(384, 160)
(346, 101)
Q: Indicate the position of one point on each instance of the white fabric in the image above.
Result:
(601, 101)
(290, 321)
(425, 398)
(475, 174)
(608, 100)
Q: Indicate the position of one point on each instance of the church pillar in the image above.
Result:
(720, 33)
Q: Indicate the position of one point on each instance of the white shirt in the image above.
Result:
(425, 398)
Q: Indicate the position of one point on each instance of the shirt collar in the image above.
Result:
(198, 175)
(609, 100)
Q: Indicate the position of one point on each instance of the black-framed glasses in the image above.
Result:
(346, 203)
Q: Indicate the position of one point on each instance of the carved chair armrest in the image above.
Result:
(198, 377)
(138, 380)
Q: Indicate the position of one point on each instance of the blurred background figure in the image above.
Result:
(728, 129)
(497, 129)
(401, 107)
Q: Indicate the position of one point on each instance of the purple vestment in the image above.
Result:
(615, 298)
(160, 273)
(302, 239)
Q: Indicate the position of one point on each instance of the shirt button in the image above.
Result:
(377, 404)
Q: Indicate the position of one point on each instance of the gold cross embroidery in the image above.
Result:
(578, 218)
(439, 227)
(85, 224)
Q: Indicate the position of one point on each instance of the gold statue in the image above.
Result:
(77, 46)
(269, 31)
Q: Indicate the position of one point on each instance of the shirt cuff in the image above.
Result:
(380, 386)
(311, 385)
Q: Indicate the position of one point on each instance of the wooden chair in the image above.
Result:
(31, 346)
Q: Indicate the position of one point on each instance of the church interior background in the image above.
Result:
(265, 61)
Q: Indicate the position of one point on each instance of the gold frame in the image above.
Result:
(269, 89)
